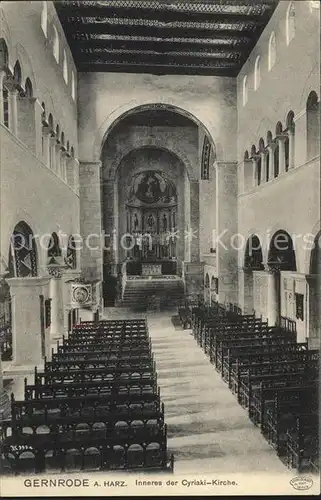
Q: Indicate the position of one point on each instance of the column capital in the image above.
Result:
(271, 269)
(222, 164)
(35, 281)
(90, 163)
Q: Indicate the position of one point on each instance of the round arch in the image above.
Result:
(131, 108)
(253, 257)
(23, 256)
(150, 142)
(281, 254)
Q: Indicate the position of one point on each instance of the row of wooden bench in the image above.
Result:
(274, 378)
(96, 405)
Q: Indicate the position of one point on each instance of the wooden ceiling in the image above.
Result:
(208, 37)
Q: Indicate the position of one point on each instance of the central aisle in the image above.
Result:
(208, 431)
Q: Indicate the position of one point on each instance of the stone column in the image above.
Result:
(195, 221)
(226, 230)
(13, 111)
(5, 405)
(291, 148)
(254, 174)
(2, 78)
(57, 305)
(90, 219)
(52, 153)
(273, 305)
(248, 303)
(263, 167)
(281, 155)
(37, 109)
(26, 320)
(58, 159)
(63, 163)
(46, 146)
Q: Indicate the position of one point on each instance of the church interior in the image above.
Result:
(160, 236)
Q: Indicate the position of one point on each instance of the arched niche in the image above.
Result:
(23, 259)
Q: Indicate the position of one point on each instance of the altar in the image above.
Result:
(151, 269)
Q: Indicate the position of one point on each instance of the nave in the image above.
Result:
(137, 393)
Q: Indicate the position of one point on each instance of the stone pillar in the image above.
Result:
(90, 219)
(226, 230)
(52, 153)
(58, 159)
(193, 273)
(46, 146)
(27, 330)
(57, 305)
(5, 406)
(13, 111)
(66, 278)
(63, 163)
(254, 174)
(195, 221)
(37, 111)
(2, 78)
(263, 167)
(291, 148)
(281, 156)
(110, 221)
(273, 305)
(248, 303)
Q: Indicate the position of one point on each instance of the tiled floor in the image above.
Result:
(208, 431)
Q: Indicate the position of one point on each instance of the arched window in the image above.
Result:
(287, 153)
(259, 169)
(290, 23)
(313, 125)
(44, 18)
(72, 151)
(257, 73)
(4, 55)
(272, 50)
(55, 43)
(276, 160)
(17, 73)
(73, 86)
(5, 103)
(289, 141)
(245, 90)
(28, 88)
(23, 252)
(267, 165)
(50, 121)
(65, 67)
(246, 155)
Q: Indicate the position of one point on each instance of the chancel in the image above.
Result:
(160, 233)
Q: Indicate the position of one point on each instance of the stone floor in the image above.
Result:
(208, 431)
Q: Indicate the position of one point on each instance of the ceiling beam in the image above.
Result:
(159, 59)
(166, 15)
(160, 47)
(155, 70)
(105, 28)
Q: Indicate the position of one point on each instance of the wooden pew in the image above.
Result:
(289, 403)
(257, 353)
(302, 443)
